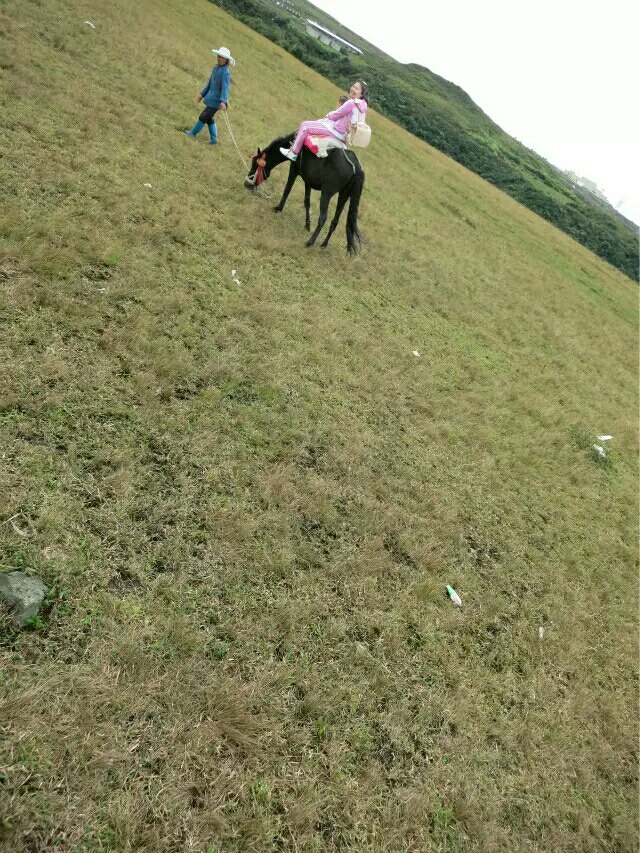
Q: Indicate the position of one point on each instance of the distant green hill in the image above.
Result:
(445, 116)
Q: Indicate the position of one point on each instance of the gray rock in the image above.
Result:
(22, 595)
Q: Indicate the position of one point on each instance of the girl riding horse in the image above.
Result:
(336, 123)
(339, 172)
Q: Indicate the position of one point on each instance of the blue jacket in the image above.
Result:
(217, 89)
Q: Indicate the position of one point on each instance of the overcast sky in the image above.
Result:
(561, 76)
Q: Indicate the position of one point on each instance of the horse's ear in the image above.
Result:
(258, 153)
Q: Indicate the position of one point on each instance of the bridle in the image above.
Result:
(258, 175)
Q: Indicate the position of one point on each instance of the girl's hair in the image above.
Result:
(343, 99)
(365, 90)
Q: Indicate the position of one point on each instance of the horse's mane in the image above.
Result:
(282, 140)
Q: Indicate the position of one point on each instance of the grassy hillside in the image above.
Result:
(444, 115)
(247, 499)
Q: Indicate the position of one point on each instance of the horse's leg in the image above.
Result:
(342, 200)
(325, 198)
(307, 207)
(293, 174)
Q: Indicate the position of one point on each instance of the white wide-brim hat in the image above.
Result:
(225, 53)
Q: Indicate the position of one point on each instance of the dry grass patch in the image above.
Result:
(247, 501)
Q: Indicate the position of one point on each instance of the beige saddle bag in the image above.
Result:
(359, 135)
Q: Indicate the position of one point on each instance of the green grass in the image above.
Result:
(247, 501)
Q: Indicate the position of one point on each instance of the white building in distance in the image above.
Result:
(586, 184)
(327, 37)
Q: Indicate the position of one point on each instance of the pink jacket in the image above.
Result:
(349, 113)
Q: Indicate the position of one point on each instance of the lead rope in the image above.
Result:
(260, 191)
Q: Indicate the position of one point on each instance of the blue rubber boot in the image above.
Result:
(213, 133)
(195, 130)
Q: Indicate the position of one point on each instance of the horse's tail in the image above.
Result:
(353, 235)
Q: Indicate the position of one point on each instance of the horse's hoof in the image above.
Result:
(308, 244)
(307, 228)
(277, 209)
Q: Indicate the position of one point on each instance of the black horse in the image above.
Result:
(340, 172)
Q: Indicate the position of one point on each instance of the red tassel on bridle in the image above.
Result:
(258, 176)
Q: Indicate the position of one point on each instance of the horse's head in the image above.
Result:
(266, 159)
(259, 171)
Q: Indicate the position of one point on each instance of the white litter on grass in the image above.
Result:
(416, 353)
(604, 437)
(148, 185)
(93, 26)
(453, 595)
(237, 282)
(19, 530)
(599, 450)
(541, 633)
(234, 273)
